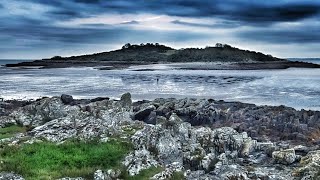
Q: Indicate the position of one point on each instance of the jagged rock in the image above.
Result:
(6, 121)
(263, 122)
(67, 99)
(81, 127)
(41, 112)
(99, 175)
(125, 101)
(205, 152)
(199, 175)
(310, 166)
(108, 175)
(169, 171)
(208, 162)
(286, 157)
(138, 161)
(144, 113)
(248, 147)
(10, 176)
(233, 171)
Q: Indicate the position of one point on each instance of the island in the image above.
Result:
(220, 56)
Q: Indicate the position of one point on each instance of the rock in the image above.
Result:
(109, 175)
(42, 111)
(169, 171)
(232, 171)
(265, 122)
(125, 101)
(310, 166)
(10, 176)
(6, 121)
(144, 113)
(67, 99)
(212, 150)
(248, 147)
(83, 127)
(168, 148)
(208, 162)
(138, 161)
(152, 118)
(285, 157)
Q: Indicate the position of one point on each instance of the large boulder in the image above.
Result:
(67, 99)
(144, 113)
(286, 157)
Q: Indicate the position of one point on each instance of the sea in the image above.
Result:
(294, 87)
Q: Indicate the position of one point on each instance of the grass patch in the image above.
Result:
(11, 131)
(177, 176)
(71, 159)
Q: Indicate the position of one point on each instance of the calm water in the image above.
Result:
(295, 87)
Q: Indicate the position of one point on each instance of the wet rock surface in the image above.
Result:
(201, 139)
(275, 123)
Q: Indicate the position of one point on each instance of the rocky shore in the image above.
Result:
(195, 138)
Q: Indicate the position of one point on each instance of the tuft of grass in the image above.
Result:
(11, 131)
(47, 160)
(177, 176)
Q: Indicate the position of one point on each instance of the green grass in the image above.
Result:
(177, 176)
(11, 131)
(71, 159)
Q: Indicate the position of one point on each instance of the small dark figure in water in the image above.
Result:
(157, 80)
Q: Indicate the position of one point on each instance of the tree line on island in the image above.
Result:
(155, 52)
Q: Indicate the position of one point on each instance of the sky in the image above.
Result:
(34, 29)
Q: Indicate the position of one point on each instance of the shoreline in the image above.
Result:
(113, 65)
(198, 138)
(89, 99)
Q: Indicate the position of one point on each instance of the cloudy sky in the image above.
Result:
(44, 28)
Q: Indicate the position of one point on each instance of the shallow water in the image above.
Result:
(295, 87)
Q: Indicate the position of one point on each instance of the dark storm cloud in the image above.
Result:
(32, 29)
(245, 11)
(307, 34)
(74, 36)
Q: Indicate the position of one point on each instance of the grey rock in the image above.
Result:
(138, 161)
(10, 176)
(144, 113)
(125, 101)
(108, 175)
(6, 121)
(310, 166)
(286, 157)
(67, 99)
(208, 162)
(168, 172)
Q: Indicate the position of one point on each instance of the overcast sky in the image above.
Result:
(45, 28)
